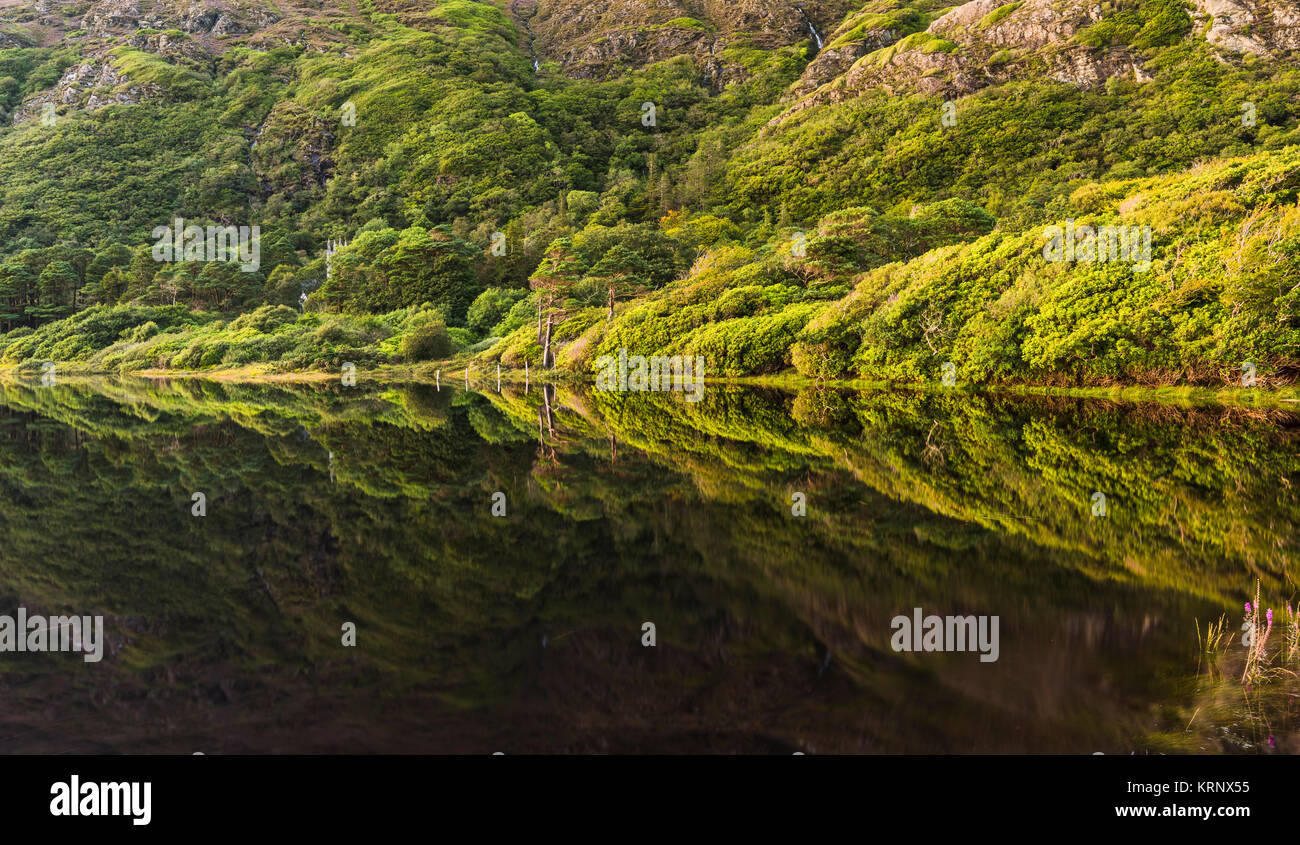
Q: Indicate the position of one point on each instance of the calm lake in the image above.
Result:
(326, 507)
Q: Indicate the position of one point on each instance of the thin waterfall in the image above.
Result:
(812, 29)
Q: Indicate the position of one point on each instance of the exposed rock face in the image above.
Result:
(292, 152)
(182, 49)
(1035, 36)
(1229, 19)
(89, 85)
(1261, 27)
(966, 16)
(187, 33)
(1035, 24)
(14, 39)
(97, 82)
(898, 46)
(109, 15)
(833, 61)
(990, 42)
(217, 17)
(972, 47)
(597, 40)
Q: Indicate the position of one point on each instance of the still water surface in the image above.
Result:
(523, 633)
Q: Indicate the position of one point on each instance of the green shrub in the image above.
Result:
(461, 338)
(521, 313)
(491, 307)
(752, 346)
(266, 319)
(141, 333)
(484, 345)
(427, 340)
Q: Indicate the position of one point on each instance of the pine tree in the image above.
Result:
(562, 267)
(623, 273)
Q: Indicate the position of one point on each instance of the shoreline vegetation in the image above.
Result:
(1144, 232)
(943, 296)
(453, 376)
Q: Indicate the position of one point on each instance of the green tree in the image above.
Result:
(113, 255)
(667, 258)
(113, 286)
(224, 285)
(140, 278)
(56, 290)
(17, 291)
(429, 266)
(561, 268)
(426, 339)
(622, 273)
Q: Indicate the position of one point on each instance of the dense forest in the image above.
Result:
(838, 189)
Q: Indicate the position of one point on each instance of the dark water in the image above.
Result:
(523, 633)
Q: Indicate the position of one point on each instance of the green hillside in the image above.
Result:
(663, 180)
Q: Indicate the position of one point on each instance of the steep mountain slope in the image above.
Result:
(589, 39)
(925, 47)
(456, 145)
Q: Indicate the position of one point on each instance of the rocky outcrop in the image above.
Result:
(855, 37)
(1260, 27)
(172, 47)
(989, 42)
(1031, 25)
(973, 46)
(1034, 37)
(185, 33)
(597, 40)
(214, 17)
(293, 147)
(89, 85)
(15, 38)
(109, 16)
(897, 46)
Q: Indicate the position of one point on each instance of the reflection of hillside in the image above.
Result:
(328, 505)
(1195, 497)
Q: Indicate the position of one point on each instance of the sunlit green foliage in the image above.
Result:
(761, 221)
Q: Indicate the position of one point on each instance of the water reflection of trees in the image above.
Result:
(634, 505)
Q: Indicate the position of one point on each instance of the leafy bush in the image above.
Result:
(143, 332)
(427, 340)
(461, 338)
(484, 345)
(491, 307)
(266, 319)
(522, 313)
(78, 337)
(752, 346)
